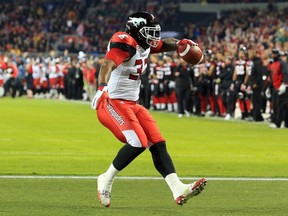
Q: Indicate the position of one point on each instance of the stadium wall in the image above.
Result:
(217, 8)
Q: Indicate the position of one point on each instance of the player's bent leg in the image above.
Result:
(163, 163)
(161, 159)
(126, 155)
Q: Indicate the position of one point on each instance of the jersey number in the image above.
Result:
(139, 64)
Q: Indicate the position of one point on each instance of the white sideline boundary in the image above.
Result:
(141, 178)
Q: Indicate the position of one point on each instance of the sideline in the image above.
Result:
(142, 178)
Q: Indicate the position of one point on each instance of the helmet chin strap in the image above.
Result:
(152, 42)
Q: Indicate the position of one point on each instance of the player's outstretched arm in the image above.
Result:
(165, 45)
(169, 44)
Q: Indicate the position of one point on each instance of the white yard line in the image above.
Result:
(142, 178)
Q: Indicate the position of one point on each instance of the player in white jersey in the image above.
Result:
(117, 108)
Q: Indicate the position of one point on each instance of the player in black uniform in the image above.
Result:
(158, 83)
(239, 84)
(226, 80)
(183, 81)
(169, 84)
(217, 84)
(256, 83)
(205, 85)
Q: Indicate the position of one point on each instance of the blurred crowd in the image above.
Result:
(40, 26)
(35, 64)
(260, 29)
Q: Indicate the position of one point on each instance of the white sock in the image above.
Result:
(107, 182)
(175, 107)
(175, 185)
(158, 106)
(111, 173)
(169, 107)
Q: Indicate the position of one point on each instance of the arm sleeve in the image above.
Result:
(117, 55)
(157, 49)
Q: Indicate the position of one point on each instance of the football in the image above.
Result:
(190, 53)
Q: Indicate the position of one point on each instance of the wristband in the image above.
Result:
(101, 86)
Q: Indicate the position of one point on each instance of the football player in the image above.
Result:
(158, 83)
(169, 84)
(2, 70)
(217, 84)
(10, 77)
(256, 82)
(196, 104)
(206, 89)
(239, 84)
(279, 76)
(117, 108)
(184, 85)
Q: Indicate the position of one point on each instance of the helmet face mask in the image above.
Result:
(152, 35)
(143, 27)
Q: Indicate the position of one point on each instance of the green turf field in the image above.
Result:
(64, 138)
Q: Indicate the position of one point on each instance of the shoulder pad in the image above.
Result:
(123, 37)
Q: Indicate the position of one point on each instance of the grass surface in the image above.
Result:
(152, 197)
(78, 197)
(49, 137)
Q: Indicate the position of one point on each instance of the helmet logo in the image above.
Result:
(137, 21)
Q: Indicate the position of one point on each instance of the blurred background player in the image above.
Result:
(226, 80)
(196, 99)
(159, 101)
(238, 87)
(256, 84)
(1, 78)
(205, 87)
(169, 84)
(216, 75)
(90, 77)
(279, 76)
(10, 77)
(183, 73)
(53, 73)
(146, 86)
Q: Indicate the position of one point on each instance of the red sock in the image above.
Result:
(212, 103)
(222, 108)
(156, 100)
(248, 105)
